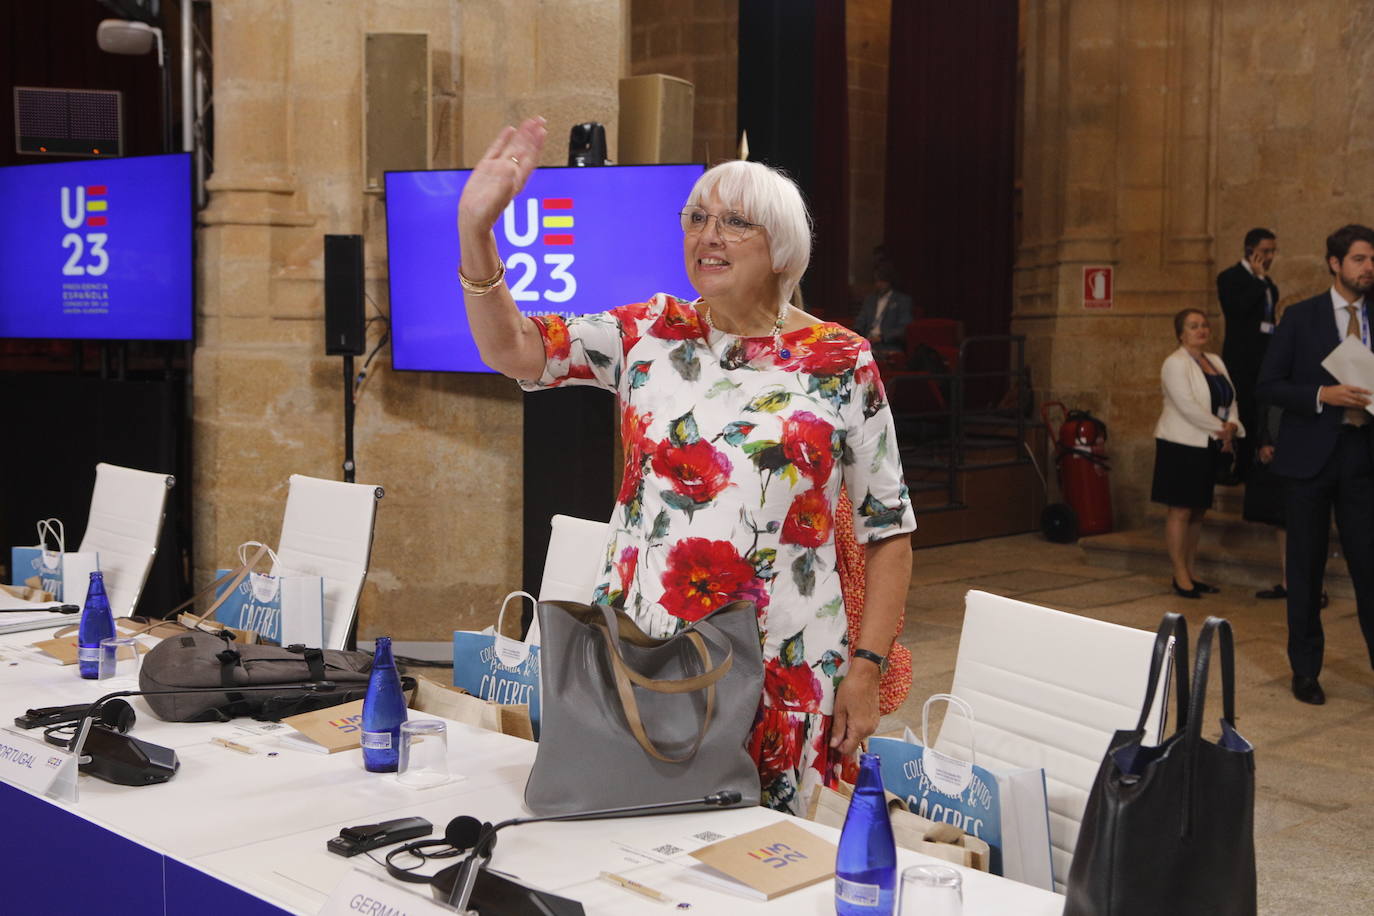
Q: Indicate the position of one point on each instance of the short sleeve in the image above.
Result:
(871, 461)
(584, 350)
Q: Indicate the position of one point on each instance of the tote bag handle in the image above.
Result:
(1193, 735)
(1176, 626)
(616, 625)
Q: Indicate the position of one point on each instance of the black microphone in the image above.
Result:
(466, 878)
(129, 761)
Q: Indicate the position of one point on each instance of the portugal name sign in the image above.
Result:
(574, 241)
(97, 250)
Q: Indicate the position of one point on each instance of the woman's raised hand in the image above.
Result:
(501, 173)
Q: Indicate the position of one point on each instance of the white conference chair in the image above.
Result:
(572, 564)
(327, 532)
(125, 522)
(1048, 689)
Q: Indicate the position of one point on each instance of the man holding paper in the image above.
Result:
(1324, 445)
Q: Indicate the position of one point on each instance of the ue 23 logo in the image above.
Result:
(90, 209)
(555, 226)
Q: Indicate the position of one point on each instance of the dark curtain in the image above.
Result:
(793, 102)
(950, 149)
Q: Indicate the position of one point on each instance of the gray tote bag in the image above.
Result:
(629, 719)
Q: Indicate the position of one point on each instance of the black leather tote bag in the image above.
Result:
(1170, 829)
(629, 719)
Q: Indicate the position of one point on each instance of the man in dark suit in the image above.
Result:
(1326, 447)
(886, 312)
(1248, 298)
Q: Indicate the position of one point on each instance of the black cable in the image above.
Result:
(423, 662)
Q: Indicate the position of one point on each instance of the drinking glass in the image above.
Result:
(119, 657)
(423, 754)
(931, 890)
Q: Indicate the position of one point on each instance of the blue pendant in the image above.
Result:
(785, 353)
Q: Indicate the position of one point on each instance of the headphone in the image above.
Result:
(116, 715)
(462, 833)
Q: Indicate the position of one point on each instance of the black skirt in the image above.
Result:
(1184, 475)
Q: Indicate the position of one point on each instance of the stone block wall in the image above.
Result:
(695, 40)
(1154, 135)
(288, 169)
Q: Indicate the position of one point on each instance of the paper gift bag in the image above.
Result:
(1004, 807)
(287, 610)
(65, 575)
(461, 706)
(910, 831)
(498, 668)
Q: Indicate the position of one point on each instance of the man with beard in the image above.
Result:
(1324, 447)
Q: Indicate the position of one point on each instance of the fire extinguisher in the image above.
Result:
(1081, 456)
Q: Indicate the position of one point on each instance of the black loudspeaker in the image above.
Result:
(587, 144)
(345, 331)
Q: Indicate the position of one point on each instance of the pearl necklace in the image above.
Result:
(776, 332)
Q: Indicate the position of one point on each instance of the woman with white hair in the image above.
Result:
(741, 416)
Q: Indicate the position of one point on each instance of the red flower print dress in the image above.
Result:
(734, 458)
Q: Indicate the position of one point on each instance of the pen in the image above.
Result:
(233, 745)
(641, 889)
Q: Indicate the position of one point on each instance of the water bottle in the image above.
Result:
(97, 623)
(866, 865)
(384, 709)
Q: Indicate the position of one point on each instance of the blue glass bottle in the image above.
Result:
(97, 623)
(384, 709)
(866, 864)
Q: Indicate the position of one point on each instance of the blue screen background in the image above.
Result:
(627, 245)
(144, 292)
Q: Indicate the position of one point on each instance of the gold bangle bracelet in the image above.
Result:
(482, 287)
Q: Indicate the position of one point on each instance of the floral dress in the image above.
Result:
(735, 451)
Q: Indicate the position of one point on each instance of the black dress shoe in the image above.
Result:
(1205, 587)
(1278, 591)
(1307, 690)
(1182, 592)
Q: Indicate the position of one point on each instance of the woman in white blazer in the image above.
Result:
(1199, 422)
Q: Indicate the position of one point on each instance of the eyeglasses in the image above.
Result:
(732, 226)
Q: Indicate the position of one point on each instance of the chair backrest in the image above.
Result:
(124, 525)
(940, 333)
(327, 532)
(576, 555)
(1048, 689)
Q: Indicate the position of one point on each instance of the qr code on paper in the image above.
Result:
(667, 849)
(708, 836)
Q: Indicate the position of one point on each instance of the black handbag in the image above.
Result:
(1170, 828)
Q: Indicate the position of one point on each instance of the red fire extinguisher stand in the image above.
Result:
(1080, 446)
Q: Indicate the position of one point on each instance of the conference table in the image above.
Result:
(246, 833)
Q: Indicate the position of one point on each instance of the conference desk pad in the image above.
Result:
(234, 832)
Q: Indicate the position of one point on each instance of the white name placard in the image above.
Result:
(37, 766)
(361, 894)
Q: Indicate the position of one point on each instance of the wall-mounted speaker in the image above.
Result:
(396, 97)
(68, 122)
(345, 332)
(655, 119)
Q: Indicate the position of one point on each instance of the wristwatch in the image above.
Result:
(874, 657)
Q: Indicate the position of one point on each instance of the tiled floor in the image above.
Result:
(1314, 800)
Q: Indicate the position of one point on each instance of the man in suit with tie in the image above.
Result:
(1325, 446)
(1248, 298)
(885, 312)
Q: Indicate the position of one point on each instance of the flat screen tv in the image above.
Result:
(97, 250)
(575, 241)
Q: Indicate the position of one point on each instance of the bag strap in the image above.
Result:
(237, 575)
(611, 628)
(957, 703)
(1193, 735)
(1174, 625)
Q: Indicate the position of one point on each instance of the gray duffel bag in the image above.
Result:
(199, 659)
(628, 719)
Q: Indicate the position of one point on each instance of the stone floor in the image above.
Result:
(1314, 799)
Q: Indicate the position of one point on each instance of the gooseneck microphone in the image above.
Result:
(129, 761)
(461, 893)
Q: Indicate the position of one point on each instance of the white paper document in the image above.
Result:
(1352, 363)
